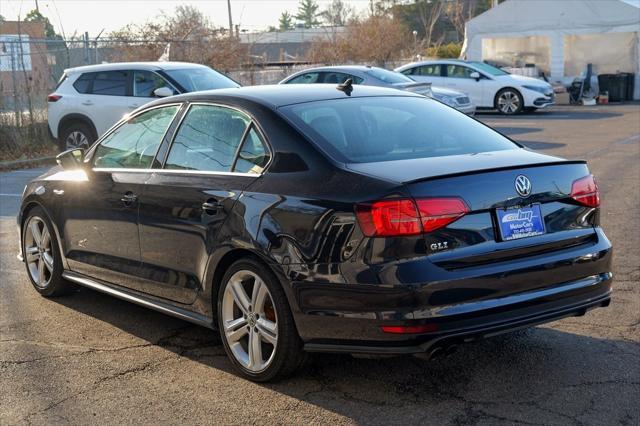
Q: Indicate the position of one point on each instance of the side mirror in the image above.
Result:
(475, 75)
(71, 159)
(163, 92)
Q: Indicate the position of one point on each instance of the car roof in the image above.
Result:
(435, 61)
(353, 69)
(275, 96)
(148, 66)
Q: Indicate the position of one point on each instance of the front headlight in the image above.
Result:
(539, 89)
(447, 100)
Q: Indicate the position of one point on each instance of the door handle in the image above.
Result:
(129, 198)
(87, 103)
(211, 207)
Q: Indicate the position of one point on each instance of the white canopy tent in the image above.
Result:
(561, 37)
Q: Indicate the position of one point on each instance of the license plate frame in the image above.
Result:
(520, 222)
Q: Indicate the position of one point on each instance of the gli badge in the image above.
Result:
(523, 185)
(439, 246)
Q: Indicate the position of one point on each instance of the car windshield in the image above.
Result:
(387, 76)
(371, 129)
(489, 69)
(196, 79)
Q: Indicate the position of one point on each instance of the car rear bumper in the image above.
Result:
(470, 302)
(480, 327)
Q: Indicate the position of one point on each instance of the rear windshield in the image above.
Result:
(196, 79)
(371, 129)
(387, 76)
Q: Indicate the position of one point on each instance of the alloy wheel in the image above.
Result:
(250, 323)
(77, 139)
(508, 102)
(37, 250)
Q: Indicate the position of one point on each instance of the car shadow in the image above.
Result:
(512, 131)
(548, 363)
(537, 146)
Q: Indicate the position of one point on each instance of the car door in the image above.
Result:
(100, 213)
(215, 154)
(458, 77)
(109, 98)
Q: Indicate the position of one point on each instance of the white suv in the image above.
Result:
(487, 86)
(89, 100)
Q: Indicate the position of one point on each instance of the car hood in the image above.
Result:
(522, 80)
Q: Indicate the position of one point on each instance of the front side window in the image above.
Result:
(133, 145)
(113, 83)
(200, 78)
(372, 129)
(207, 139)
(146, 82)
(458, 71)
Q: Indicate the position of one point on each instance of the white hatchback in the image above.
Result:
(89, 100)
(486, 85)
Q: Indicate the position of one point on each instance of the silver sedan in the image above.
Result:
(374, 76)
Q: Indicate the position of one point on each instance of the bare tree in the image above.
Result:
(337, 13)
(429, 13)
(459, 12)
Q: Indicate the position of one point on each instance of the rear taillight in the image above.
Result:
(409, 329)
(53, 97)
(585, 191)
(404, 217)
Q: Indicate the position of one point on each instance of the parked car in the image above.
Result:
(487, 86)
(89, 100)
(374, 76)
(319, 218)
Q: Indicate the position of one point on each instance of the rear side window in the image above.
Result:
(133, 145)
(331, 77)
(387, 76)
(113, 83)
(307, 78)
(432, 70)
(207, 139)
(253, 156)
(362, 130)
(83, 83)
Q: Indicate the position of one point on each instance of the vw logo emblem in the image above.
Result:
(523, 186)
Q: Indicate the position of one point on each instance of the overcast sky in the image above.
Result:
(94, 15)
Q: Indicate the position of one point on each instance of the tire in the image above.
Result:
(42, 255)
(76, 135)
(264, 324)
(509, 102)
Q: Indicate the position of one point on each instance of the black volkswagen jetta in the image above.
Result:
(320, 219)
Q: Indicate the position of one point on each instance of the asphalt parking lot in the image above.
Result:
(91, 358)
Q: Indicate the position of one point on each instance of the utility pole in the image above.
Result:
(37, 8)
(230, 19)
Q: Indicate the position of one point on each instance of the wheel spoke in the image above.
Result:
(46, 237)
(258, 296)
(255, 350)
(41, 267)
(48, 261)
(35, 232)
(236, 329)
(268, 330)
(240, 296)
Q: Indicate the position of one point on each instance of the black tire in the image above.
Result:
(76, 135)
(54, 285)
(513, 101)
(287, 353)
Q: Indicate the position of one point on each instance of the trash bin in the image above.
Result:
(604, 82)
(629, 85)
(615, 84)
